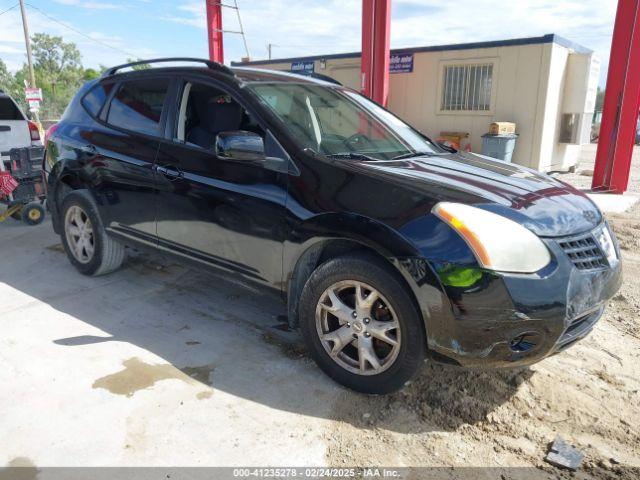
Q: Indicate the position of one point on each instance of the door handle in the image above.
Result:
(171, 173)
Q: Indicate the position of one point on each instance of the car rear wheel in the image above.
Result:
(360, 324)
(85, 241)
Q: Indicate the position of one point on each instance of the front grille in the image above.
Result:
(584, 252)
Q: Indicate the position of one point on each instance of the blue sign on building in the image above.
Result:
(303, 67)
(401, 63)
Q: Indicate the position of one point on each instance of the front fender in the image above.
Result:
(366, 231)
(310, 235)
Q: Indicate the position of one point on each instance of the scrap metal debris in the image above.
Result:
(563, 455)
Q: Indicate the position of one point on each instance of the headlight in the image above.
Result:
(497, 242)
(605, 239)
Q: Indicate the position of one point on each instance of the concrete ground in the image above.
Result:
(584, 169)
(151, 365)
(608, 203)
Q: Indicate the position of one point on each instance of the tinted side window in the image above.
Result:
(138, 105)
(95, 98)
(8, 110)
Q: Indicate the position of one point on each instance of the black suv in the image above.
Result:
(386, 246)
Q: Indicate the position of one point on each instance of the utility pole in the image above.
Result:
(27, 41)
(32, 75)
(269, 47)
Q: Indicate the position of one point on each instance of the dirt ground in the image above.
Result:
(589, 395)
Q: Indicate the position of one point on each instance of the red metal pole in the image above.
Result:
(621, 102)
(376, 34)
(214, 30)
(366, 62)
(382, 52)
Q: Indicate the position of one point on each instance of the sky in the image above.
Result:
(108, 32)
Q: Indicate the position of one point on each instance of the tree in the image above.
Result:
(58, 71)
(5, 76)
(54, 57)
(90, 74)
(142, 66)
(12, 85)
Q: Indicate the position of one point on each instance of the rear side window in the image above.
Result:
(9, 110)
(138, 105)
(95, 98)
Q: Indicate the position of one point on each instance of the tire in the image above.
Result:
(105, 254)
(369, 274)
(32, 214)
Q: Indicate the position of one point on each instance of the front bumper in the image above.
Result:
(505, 320)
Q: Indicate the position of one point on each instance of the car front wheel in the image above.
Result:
(361, 325)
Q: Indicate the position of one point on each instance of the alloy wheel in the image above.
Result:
(79, 233)
(358, 328)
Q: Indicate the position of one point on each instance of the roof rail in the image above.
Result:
(210, 64)
(319, 76)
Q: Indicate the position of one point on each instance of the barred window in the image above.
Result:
(467, 87)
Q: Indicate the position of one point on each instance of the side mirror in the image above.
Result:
(240, 145)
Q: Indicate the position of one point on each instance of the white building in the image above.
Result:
(546, 85)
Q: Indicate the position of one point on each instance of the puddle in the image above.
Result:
(19, 468)
(138, 375)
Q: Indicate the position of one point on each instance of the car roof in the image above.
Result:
(257, 75)
(241, 75)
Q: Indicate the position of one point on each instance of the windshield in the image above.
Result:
(339, 122)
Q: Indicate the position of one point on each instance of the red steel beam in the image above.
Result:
(366, 60)
(214, 30)
(376, 34)
(621, 102)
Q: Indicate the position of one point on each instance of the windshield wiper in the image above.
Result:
(415, 154)
(353, 156)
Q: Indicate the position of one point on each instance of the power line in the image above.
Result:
(105, 44)
(9, 9)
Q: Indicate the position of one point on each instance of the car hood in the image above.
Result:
(545, 205)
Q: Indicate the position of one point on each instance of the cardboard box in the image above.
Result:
(502, 128)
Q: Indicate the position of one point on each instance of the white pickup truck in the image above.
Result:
(16, 131)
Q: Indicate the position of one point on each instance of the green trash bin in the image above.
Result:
(499, 146)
